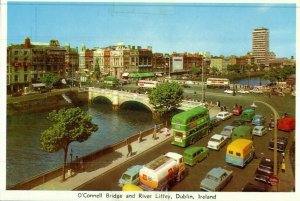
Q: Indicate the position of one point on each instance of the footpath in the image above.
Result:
(108, 161)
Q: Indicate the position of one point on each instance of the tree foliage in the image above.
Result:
(279, 74)
(195, 70)
(166, 97)
(50, 79)
(69, 125)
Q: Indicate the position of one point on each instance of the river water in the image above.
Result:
(252, 81)
(25, 158)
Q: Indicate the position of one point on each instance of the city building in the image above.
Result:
(159, 64)
(260, 46)
(119, 60)
(27, 63)
(86, 60)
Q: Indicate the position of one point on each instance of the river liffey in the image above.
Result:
(26, 159)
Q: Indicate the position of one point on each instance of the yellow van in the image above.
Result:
(239, 152)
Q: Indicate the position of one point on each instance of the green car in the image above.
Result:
(242, 132)
(194, 154)
(247, 115)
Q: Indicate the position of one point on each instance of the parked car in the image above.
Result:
(224, 115)
(265, 171)
(258, 120)
(195, 154)
(259, 130)
(238, 122)
(256, 91)
(249, 187)
(237, 110)
(281, 143)
(216, 142)
(216, 179)
(228, 91)
(227, 131)
(131, 176)
(286, 124)
(242, 91)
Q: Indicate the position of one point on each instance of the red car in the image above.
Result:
(286, 124)
(237, 110)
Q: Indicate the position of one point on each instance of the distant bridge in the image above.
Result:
(117, 98)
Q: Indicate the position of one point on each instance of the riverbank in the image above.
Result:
(45, 101)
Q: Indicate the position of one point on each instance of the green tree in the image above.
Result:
(69, 125)
(166, 97)
(215, 71)
(50, 79)
(195, 70)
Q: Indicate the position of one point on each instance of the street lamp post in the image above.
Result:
(203, 85)
(276, 116)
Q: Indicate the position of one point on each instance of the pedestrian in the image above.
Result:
(140, 137)
(129, 148)
(154, 135)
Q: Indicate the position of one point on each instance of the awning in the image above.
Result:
(141, 75)
(125, 74)
(39, 85)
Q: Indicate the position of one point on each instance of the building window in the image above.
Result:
(25, 52)
(25, 78)
(25, 68)
(16, 69)
(16, 78)
(16, 52)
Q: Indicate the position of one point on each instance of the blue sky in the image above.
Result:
(218, 28)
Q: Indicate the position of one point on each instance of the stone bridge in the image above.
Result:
(117, 98)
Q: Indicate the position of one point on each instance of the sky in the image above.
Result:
(221, 29)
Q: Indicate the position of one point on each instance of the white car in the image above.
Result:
(224, 115)
(259, 130)
(216, 141)
(256, 91)
(242, 91)
(228, 91)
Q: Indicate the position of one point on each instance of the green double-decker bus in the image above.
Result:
(189, 126)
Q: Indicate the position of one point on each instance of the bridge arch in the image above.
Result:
(105, 99)
(146, 105)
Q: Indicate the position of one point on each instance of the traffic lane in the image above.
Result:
(241, 176)
(109, 181)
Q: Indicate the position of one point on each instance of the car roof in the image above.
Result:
(230, 127)
(133, 170)
(194, 149)
(240, 143)
(217, 136)
(266, 162)
(217, 172)
(223, 113)
(259, 127)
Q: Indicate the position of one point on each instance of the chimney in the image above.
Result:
(27, 42)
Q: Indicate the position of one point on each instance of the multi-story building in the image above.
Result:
(217, 62)
(119, 60)
(260, 45)
(145, 59)
(191, 60)
(85, 63)
(27, 63)
(159, 64)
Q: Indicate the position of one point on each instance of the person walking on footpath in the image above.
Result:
(129, 148)
(154, 134)
(140, 139)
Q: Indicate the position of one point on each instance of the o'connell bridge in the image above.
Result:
(117, 98)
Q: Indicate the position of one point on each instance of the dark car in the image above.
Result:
(265, 171)
(214, 122)
(281, 143)
(238, 122)
(249, 187)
